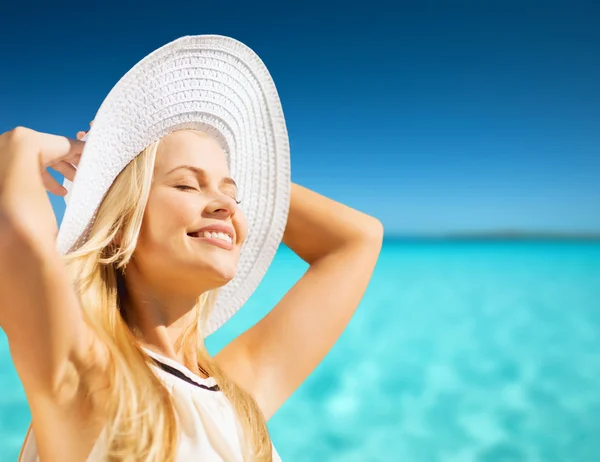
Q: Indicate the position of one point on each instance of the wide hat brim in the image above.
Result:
(211, 83)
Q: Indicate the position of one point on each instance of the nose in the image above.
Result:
(221, 207)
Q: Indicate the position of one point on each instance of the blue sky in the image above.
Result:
(436, 117)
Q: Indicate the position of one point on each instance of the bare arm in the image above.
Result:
(39, 310)
(341, 245)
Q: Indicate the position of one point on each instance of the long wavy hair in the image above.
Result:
(141, 421)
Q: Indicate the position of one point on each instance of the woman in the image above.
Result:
(177, 207)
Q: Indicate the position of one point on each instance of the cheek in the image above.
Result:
(165, 221)
(241, 226)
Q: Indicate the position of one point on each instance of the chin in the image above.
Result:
(221, 274)
(224, 278)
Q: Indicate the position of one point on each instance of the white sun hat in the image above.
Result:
(211, 83)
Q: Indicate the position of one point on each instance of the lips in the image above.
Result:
(213, 235)
(219, 235)
(215, 228)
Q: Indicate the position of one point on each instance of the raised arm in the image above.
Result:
(39, 310)
(341, 245)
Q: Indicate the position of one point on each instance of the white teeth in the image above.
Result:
(214, 235)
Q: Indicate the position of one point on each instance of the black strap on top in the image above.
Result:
(177, 373)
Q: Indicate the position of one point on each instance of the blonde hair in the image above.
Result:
(141, 421)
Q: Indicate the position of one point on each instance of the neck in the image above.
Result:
(159, 316)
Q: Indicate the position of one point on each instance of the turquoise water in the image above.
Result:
(459, 352)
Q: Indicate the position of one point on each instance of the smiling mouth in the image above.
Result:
(218, 239)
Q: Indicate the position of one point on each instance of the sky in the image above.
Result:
(434, 117)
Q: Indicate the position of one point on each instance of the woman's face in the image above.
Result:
(191, 190)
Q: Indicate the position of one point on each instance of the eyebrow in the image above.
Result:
(199, 171)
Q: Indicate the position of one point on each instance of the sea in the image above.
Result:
(460, 351)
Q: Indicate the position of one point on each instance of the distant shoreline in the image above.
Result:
(499, 236)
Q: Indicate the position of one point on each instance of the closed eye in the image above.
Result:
(183, 187)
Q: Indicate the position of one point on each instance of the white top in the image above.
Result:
(209, 430)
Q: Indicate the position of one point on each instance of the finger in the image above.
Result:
(65, 169)
(52, 185)
(81, 134)
(74, 159)
(54, 148)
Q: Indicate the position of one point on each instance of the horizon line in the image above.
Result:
(497, 235)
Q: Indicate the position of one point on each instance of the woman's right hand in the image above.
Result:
(24, 156)
(58, 152)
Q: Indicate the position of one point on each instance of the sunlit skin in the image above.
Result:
(170, 269)
(41, 314)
